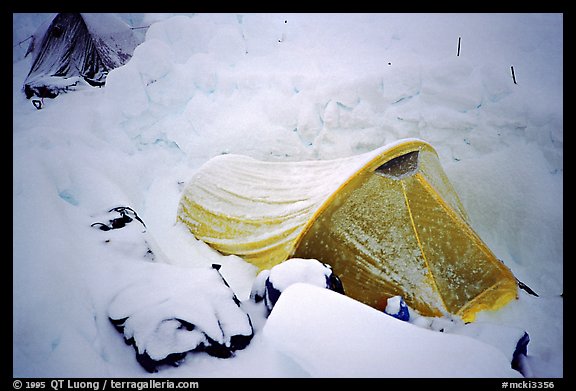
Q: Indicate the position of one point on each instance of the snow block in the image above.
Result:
(332, 335)
(270, 284)
(166, 312)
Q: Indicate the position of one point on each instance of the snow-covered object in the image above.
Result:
(73, 47)
(512, 341)
(306, 325)
(269, 284)
(124, 232)
(167, 311)
(397, 308)
(388, 222)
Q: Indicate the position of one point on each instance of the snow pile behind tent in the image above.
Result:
(280, 87)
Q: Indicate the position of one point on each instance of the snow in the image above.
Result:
(299, 270)
(287, 87)
(270, 283)
(157, 298)
(377, 344)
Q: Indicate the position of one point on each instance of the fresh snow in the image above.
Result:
(157, 297)
(286, 87)
(332, 335)
(270, 283)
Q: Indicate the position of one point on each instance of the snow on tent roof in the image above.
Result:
(389, 223)
(72, 47)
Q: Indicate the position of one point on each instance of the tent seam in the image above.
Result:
(429, 273)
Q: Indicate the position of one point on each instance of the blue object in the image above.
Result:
(403, 313)
(521, 350)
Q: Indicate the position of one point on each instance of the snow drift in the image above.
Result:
(329, 331)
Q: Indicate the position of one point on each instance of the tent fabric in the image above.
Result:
(73, 47)
(388, 222)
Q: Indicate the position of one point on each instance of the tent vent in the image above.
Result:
(399, 167)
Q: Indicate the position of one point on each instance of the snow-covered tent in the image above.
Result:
(72, 47)
(388, 222)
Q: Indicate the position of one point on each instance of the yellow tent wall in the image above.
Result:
(388, 222)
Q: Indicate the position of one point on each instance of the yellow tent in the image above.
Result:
(389, 223)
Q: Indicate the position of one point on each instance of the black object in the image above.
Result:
(525, 287)
(121, 221)
(37, 103)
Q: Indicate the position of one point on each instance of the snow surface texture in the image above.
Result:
(282, 88)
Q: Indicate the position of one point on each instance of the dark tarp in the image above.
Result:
(73, 47)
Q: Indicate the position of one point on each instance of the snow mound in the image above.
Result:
(306, 325)
(166, 311)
